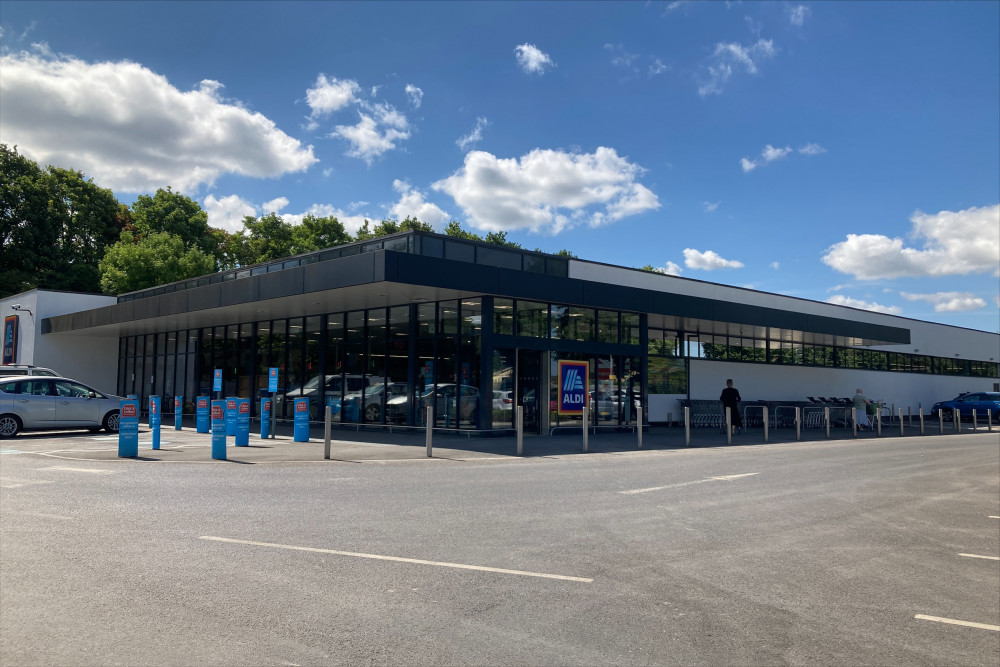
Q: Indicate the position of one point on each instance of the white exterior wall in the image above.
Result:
(91, 359)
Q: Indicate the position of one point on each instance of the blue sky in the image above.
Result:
(836, 151)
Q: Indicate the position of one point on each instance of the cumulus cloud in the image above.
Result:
(770, 154)
(953, 243)
(619, 56)
(657, 67)
(775, 265)
(227, 213)
(672, 269)
(708, 260)
(944, 302)
(130, 130)
(376, 132)
(415, 95)
(532, 59)
(275, 205)
(473, 137)
(841, 300)
(412, 202)
(797, 15)
(330, 95)
(547, 190)
(727, 59)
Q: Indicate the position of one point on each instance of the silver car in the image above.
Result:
(35, 402)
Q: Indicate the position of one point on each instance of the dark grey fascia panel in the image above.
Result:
(288, 282)
(123, 312)
(245, 290)
(343, 272)
(445, 273)
(739, 313)
(538, 287)
(200, 298)
(680, 305)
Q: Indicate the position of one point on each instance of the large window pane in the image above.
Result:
(503, 317)
(607, 326)
(472, 317)
(532, 319)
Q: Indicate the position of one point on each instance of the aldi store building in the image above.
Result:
(381, 329)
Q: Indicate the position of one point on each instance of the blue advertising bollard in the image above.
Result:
(178, 412)
(231, 415)
(242, 422)
(301, 420)
(154, 420)
(219, 430)
(265, 418)
(128, 429)
(201, 414)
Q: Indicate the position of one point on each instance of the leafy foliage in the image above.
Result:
(161, 257)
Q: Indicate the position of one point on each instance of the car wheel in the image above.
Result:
(111, 422)
(9, 426)
(372, 412)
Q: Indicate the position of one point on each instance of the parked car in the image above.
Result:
(965, 403)
(502, 400)
(22, 369)
(41, 402)
(372, 398)
(452, 403)
(334, 387)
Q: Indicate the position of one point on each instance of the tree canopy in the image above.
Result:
(161, 257)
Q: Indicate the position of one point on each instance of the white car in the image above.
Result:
(23, 369)
(40, 402)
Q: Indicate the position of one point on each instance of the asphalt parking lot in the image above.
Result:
(868, 551)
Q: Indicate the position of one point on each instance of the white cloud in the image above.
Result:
(532, 59)
(842, 300)
(747, 164)
(130, 130)
(619, 56)
(374, 134)
(275, 205)
(352, 223)
(672, 269)
(329, 95)
(708, 260)
(948, 301)
(797, 14)
(727, 58)
(812, 149)
(657, 67)
(775, 265)
(547, 190)
(415, 94)
(412, 203)
(770, 154)
(954, 243)
(473, 137)
(710, 205)
(227, 213)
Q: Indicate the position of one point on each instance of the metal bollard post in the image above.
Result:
(989, 420)
(729, 426)
(430, 430)
(826, 417)
(798, 423)
(586, 430)
(901, 422)
(878, 418)
(854, 418)
(687, 426)
(956, 417)
(921, 421)
(765, 423)
(638, 425)
(520, 430)
(274, 416)
(974, 420)
(327, 418)
(940, 421)
(909, 413)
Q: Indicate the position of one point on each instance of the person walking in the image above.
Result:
(731, 402)
(861, 409)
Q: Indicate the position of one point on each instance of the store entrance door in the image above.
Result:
(529, 388)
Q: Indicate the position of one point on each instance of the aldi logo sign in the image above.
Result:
(572, 387)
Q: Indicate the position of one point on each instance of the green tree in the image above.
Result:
(158, 258)
(174, 213)
(317, 233)
(266, 238)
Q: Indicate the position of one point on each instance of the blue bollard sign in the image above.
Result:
(217, 380)
(219, 430)
(265, 418)
(154, 420)
(128, 429)
(178, 412)
(201, 414)
(272, 380)
(242, 422)
(231, 415)
(301, 420)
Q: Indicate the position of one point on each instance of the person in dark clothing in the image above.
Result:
(730, 401)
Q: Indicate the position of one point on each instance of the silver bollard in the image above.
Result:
(909, 413)
(520, 430)
(901, 432)
(687, 426)
(940, 421)
(586, 430)
(854, 418)
(921, 421)
(638, 425)
(798, 423)
(765, 423)
(878, 418)
(729, 426)
(274, 417)
(430, 429)
(989, 420)
(956, 416)
(826, 417)
(974, 420)
(326, 431)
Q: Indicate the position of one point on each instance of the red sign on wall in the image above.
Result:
(129, 410)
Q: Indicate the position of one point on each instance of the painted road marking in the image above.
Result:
(96, 471)
(952, 621)
(13, 483)
(10, 451)
(994, 517)
(397, 559)
(978, 556)
(723, 478)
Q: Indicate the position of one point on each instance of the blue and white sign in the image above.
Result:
(219, 430)
(572, 387)
(201, 414)
(242, 422)
(154, 420)
(128, 429)
(301, 421)
(265, 418)
(231, 415)
(178, 412)
(217, 380)
(272, 380)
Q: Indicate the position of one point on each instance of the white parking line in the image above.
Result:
(96, 471)
(978, 556)
(12, 483)
(397, 559)
(952, 621)
(994, 517)
(723, 478)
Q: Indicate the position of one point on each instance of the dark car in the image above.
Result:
(980, 401)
